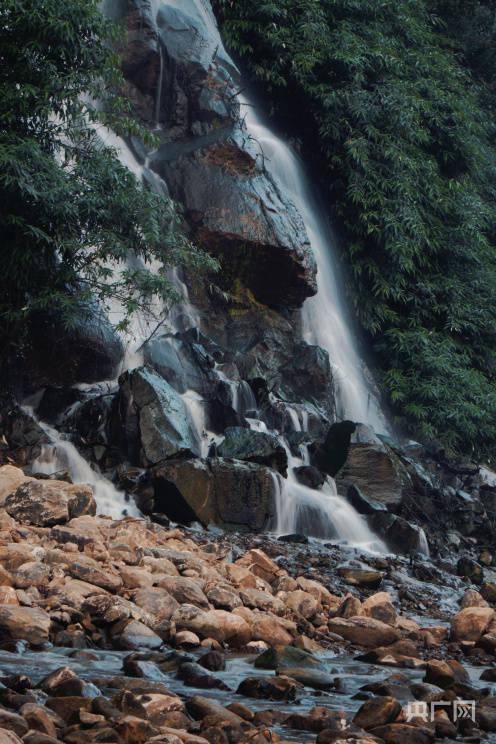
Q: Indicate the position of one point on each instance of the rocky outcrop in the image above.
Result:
(180, 76)
(88, 351)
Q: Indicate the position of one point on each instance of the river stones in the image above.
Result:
(218, 624)
(270, 688)
(86, 569)
(364, 631)
(471, 598)
(317, 679)
(133, 634)
(10, 479)
(215, 661)
(279, 657)
(224, 598)
(401, 732)
(255, 599)
(445, 673)
(31, 624)
(377, 712)
(380, 607)
(185, 590)
(13, 722)
(157, 602)
(302, 603)
(362, 577)
(470, 569)
(488, 591)
(195, 675)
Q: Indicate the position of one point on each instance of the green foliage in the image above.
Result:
(399, 106)
(72, 215)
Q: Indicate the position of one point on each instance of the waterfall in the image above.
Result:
(324, 316)
(316, 513)
(319, 513)
(60, 455)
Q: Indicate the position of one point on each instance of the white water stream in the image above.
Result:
(325, 316)
(320, 513)
(61, 455)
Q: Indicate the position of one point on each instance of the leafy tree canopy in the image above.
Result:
(72, 215)
(399, 101)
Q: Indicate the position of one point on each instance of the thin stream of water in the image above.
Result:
(325, 317)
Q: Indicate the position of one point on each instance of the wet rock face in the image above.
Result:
(400, 535)
(241, 216)
(253, 446)
(154, 420)
(374, 468)
(179, 75)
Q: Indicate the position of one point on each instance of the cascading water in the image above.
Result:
(319, 513)
(61, 455)
(324, 315)
(315, 513)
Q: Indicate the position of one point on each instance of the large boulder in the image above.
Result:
(471, 623)
(364, 504)
(254, 446)
(21, 429)
(222, 626)
(30, 624)
(227, 493)
(400, 535)
(377, 712)
(44, 503)
(364, 631)
(373, 467)
(10, 478)
(155, 424)
(242, 216)
(88, 351)
(185, 365)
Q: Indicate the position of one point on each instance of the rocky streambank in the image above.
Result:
(130, 631)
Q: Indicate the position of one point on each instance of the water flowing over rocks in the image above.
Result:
(226, 421)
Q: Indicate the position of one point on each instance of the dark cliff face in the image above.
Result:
(183, 84)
